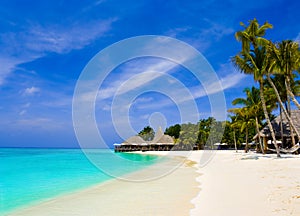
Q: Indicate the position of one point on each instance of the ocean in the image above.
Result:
(29, 176)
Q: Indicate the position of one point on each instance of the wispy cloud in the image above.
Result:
(215, 30)
(127, 80)
(177, 31)
(231, 79)
(40, 123)
(61, 39)
(37, 40)
(201, 38)
(132, 79)
(8, 64)
(22, 112)
(31, 91)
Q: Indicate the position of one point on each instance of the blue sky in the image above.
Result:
(46, 44)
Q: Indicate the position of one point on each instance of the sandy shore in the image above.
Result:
(230, 184)
(165, 195)
(249, 184)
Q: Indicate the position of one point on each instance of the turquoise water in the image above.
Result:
(29, 176)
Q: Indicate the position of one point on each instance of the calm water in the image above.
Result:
(32, 175)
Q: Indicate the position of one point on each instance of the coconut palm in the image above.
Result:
(234, 125)
(287, 59)
(253, 60)
(256, 63)
(253, 103)
(252, 34)
(283, 108)
(244, 120)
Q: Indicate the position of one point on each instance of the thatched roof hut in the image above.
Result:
(165, 139)
(160, 142)
(276, 123)
(161, 138)
(134, 140)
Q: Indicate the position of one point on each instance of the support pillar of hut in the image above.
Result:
(265, 142)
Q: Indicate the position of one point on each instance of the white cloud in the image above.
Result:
(145, 117)
(229, 81)
(22, 112)
(36, 41)
(144, 99)
(8, 64)
(203, 37)
(133, 82)
(62, 39)
(40, 123)
(31, 91)
(216, 31)
(177, 31)
(27, 105)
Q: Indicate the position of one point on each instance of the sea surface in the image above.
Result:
(29, 176)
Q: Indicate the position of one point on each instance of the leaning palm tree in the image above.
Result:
(283, 108)
(254, 61)
(287, 59)
(253, 103)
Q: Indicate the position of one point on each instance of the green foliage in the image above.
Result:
(260, 58)
(147, 133)
(205, 133)
(173, 131)
(188, 135)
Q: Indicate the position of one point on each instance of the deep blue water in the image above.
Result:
(29, 176)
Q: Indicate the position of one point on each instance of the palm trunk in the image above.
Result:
(286, 113)
(258, 133)
(234, 141)
(281, 125)
(246, 146)
(289, 105)
(290, 92)
(261, 90)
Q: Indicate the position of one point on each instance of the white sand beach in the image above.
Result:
(230, 184)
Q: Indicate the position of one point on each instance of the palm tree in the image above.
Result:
(234, 124)
(254, 61)
(252, 34)
(287, 59)
(244, 120)
(253, 103)
(283, 108)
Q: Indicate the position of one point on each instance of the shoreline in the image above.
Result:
(230, 184)
(164, 195)
(246, 184)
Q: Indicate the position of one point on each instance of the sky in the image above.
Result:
(45, 46)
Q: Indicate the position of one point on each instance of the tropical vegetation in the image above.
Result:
(275, 67)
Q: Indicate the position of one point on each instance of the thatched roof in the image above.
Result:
(159, 138)
(295, 116)
(158, 135)
(165, 139)
(135, 140)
